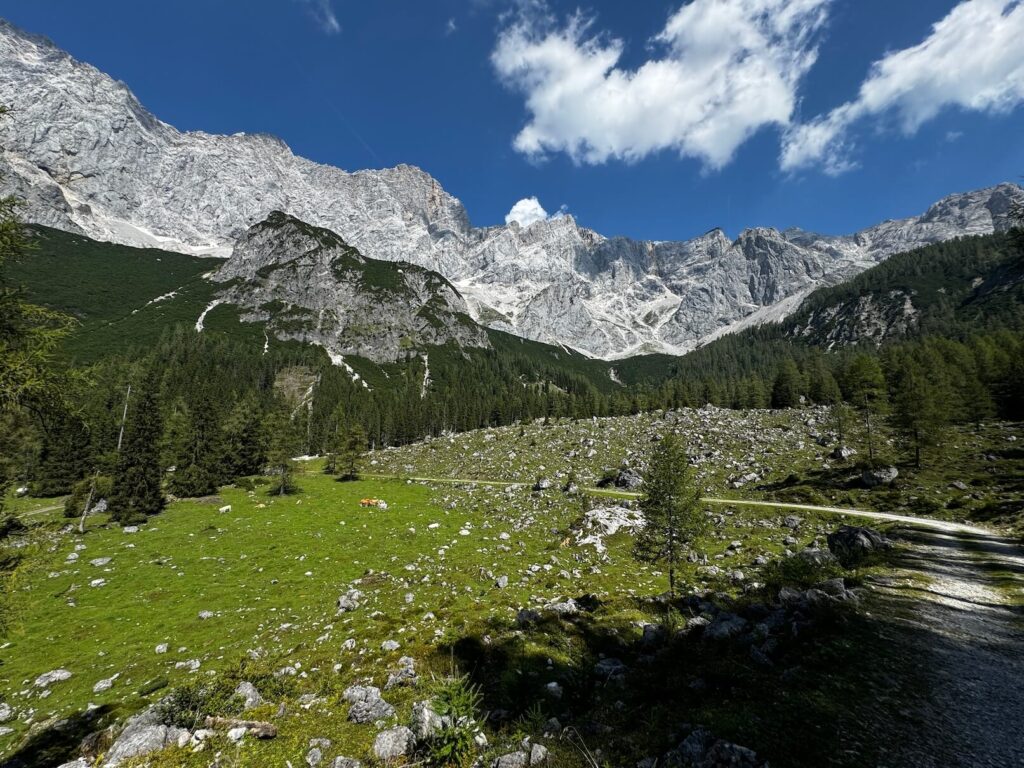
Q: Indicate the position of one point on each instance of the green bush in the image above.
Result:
(457, 701)
(798, 573)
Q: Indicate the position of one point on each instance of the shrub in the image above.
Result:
(10, 524)
(799, 572)
(457, 701)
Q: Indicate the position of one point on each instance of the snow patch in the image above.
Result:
(339, 360)
(205, 312)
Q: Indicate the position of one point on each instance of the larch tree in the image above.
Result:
(865, 384)
(673, 516)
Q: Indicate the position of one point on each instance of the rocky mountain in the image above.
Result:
(305, 283)
(951, 289)
(88, 158)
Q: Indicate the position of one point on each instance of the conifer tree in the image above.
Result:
(64, 458)
(865, 384)
(919, 408)
(244, 440)
(672, 512)
(285, 442)
(197, 471)
(353, 449)
(136, 492)
(788, 386)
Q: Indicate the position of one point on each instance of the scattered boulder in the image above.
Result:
(47, 679)
(142, 735)
(725, 627)
(250, 696)
(367, 704)
(842, 453)
(426, 723)
(350, 601)
(852, 543)
(394, 743)
(818, 558)
(872, 478)
(629, 479)
(405, 675)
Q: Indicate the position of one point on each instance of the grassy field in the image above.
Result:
(250, 594)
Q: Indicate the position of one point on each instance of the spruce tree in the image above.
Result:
(671, 509)
(244, 440)
(285, 442)
(919, 408)
(788, 386)
(350, 457)
(197, 471)
(64, 458)
(136, 492)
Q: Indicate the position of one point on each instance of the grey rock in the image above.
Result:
(873, 478)
(47, 679)
(725, 627)
(346, 762)
(394, 743)
(350, 601)
(425, 721)
(819, 558)
(367, 705)
(142, 737)
(851, 544)
(518, 759)
(538, 754)
(250, 696)
(610, 669)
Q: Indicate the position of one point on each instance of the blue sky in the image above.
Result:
(651, 119)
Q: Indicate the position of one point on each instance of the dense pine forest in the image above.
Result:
(218, 406)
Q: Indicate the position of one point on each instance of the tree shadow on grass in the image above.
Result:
(59, 742)
(797, 709)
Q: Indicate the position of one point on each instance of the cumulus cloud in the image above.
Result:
(526, 212)
(719, 71)
(973, 59)
(323, 13)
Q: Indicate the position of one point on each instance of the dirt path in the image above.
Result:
(953, 612)
(938, 525)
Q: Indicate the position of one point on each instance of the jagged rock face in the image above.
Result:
(89, 158)
(307, 284)
(867, 319)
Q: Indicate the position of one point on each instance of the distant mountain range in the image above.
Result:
(89, 159)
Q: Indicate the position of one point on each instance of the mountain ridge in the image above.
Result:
(87, 157)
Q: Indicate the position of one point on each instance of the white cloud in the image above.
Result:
(528, 211)
(450, 28)
(721, 69)
(323, 13)
(973, 59)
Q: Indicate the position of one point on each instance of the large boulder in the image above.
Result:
(851, 544)
(873, 478)
(141, 736)
(629, 479)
